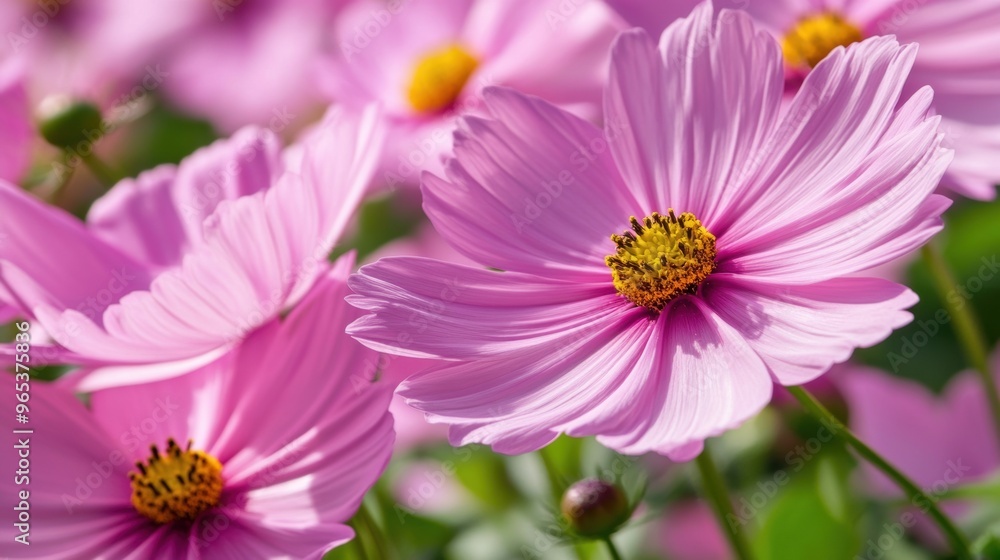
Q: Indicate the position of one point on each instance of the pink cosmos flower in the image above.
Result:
(425, 60)
(175, 267)
(265, 453)
(959, 56)
(744, 227)
(930, 437)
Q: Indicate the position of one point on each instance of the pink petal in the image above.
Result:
(427, 308)
(159, 216)
(693, 117)
(519, 401)
(260, 254)
(843, 163)
(79, 487)
(800, 331)
(532, 189)
(921, 433)
(704, 379)
(33, 278)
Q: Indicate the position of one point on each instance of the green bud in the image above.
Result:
(594, 508)
(66, 123)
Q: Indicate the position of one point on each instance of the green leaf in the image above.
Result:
(811, 516)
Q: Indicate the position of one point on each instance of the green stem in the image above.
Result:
(552, 473)
(556, 487)
(101, 170)
(715, 489)
(615, 555)
(917, 496)
(967, 327)
(370, 541)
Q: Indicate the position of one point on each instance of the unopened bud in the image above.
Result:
(594, 508)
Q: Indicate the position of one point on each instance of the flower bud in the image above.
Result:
(594, 508)
(66, 123)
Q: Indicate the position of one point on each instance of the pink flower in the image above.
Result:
(959, 56)
(175, 267)
(241, 63)
(940, 441)
(734, 274)
(688, 531)
(425, 60)
(264, 453)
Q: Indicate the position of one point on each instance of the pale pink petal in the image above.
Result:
(427, 308)
(833, 170)
(533, 189)
(246, 537)
(575, 38)
(691, 119)
(800, 331)
(159, 216)
(520, 401)
(704, 379)
(260, 254)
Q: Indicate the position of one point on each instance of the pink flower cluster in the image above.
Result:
(636, 234)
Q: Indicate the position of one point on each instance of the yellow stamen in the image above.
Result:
(814, 37)
(177, 485)
(661, 258)
(439, 78)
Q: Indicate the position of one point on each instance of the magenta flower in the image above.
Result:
(659, 273)
(175, 267)
(265, 453)
(425, 60)
(959, 56)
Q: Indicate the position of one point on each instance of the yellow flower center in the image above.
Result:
(440, 77)
(661, 258)
(814, 37)
(177, 485)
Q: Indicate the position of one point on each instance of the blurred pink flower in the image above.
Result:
(680, 339)
(426, 60)
(958, 55)
(276, 444)
(689, 531)
(940, 441)
(175, 267)
(929, 437)
(246, 62)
